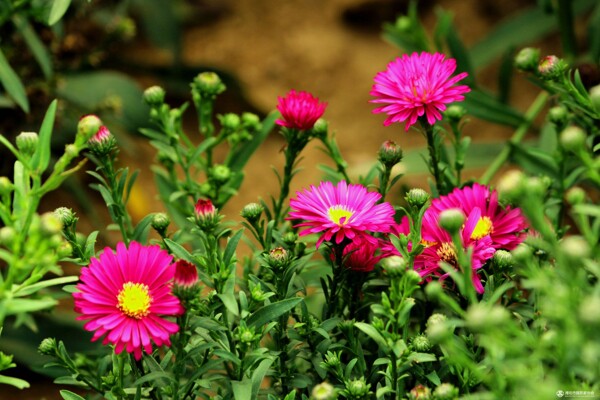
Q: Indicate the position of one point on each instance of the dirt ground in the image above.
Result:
(331, 48)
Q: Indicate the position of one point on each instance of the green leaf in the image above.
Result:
(140, 233)
(59, 8)
(485, 106)
(179, 251)
(460, 53)
(272, 311)
(259, 374)
(229, 302)
(12, 83)
(535, 161)
(155, 376)
(68, 395)
(374, 334)
(17, 306)
(27, 290)
(39, 51)
(434, 378)
(242, 390)
(41, 157)
(16, 382)
(231, 247)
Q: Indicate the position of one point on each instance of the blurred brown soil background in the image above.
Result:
(331, 48)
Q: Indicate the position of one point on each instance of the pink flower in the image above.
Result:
(504, 226)
(363, 255)
(101, 136)
(439, 247)
(417, 85)
(205, 208)
(123, 296)
(300, 110)
(186, 274)
(343, 211)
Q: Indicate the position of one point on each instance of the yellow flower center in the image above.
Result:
(483, 228)
(447, 253)
(339, 215)
(134, 300)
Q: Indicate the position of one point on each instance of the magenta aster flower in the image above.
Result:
(342, 211)
(300, 110)
(417, 85)
(363, 255)
(439, 247)
(504, 226)
(123, 295)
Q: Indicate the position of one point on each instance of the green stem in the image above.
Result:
(290, 160)
(535, 108)
(433, 155)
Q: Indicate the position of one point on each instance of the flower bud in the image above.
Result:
(252, 212)
(357, 388)
(154, 96)
(6, 361)
(390, 154)
(511, 185)
(6, 186)
(451, 220)
(522, 253)
(413, 277)
(87, 127)
(186, 274)
(208, 85)
(445, 391)
(403, 24)
(527, 59)
(551, 67)
(290, 238)
(572, 138)
(48, 346)
(417, 198)
(320, 128)
(332, 360)
(589, 310)
(103, 142)
(324, 391)
(558, 115)
(251, 121)
(207, 216)
(65, 250)
(434, 290)
(394, 266)
(66, 216)
(421, 343)
(278, 258)
(230, 121)
(50, 224)
(503, 259)
(419, 392)
(160, 222)
(595, 97)
(575, 248)
(220, 173)
(27, 142)
(455, 112)
(483, 317)
(7, 235)
(575, 195)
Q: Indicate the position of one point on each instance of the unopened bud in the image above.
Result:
(186, 274)
(320, 128)
(589, 310)
(357, 388)
(394, 265)
(160, 222)
(419, 392)
(575, 247)
(252, 212)
(220, 173)
(208, 85)
(482, 317)
(403, 24)
(455, 112)
(527, 59)
(251, 121)
(50, 224)
(6, 186)
(558, 115)
(47, 347)
(324, 391)
(7, 235)
(417, 198)
(390, 154)
(572, 138)
(503, 259)
(551, 67)
(445, 391)
(154, 96)
(230, 121)
(27, 142)
(66, 216)
(87, 128)
(421, 343)
(595, 97)
(511, 185)
(575, 195)
(451, 220)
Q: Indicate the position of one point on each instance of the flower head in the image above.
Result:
(207, 216)
(124, 295)
(363, 255)
(417, 85)
(504, 226)
(299, 110)
(186, 274)
(103, 142)
(342, 211)
(440, 247)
